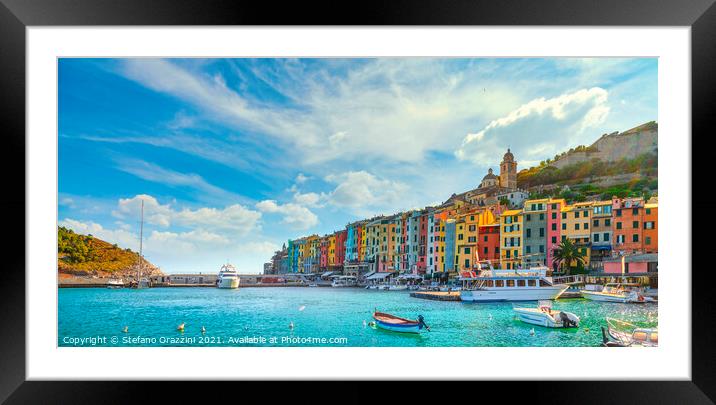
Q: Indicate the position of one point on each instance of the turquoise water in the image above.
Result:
(245, 316)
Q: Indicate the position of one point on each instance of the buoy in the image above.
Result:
(203, 329)
(126, 329)
(586, 330)
(290, 325)
(532, 332)
(302, 307)
(181, 327)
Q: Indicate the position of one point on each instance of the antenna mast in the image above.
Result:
(141, 237)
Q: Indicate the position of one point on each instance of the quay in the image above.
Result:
(437, 295)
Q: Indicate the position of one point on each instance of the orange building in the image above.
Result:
(651, 229)
(628, 218)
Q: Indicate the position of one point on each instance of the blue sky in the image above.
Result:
(232, 157)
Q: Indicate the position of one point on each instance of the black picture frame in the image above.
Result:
(16, 15)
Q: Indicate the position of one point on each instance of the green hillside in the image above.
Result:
(87, 255)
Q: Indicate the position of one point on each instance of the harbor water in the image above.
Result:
(302, 316)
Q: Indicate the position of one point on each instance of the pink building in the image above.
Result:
(636, 264)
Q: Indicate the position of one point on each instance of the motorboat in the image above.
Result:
(398, 324)
(228, 277)
(397, 287)
(115, 283)
(617, 292)
(492, 285)
(313, 285)
(544, 315)
(624, 334)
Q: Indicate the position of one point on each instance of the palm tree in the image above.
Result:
(566, 254)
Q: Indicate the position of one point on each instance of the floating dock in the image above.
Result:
(437, 295)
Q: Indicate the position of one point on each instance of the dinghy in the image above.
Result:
(398, 324)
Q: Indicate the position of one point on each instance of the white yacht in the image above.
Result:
(344, 281)
(617, 292)
(531, 284)
(228, 277)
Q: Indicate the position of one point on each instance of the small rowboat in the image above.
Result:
(398, 324)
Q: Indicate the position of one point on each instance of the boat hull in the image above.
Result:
(597, 296)
(513, 294)
(528, 315)
(228, 283)
(398, 328)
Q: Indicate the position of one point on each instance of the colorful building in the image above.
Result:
(602, 235)
(576, 227)
(554, 229)
(628, 216)
(650, 228)
(511, 239)
(534, 232)
(489, 243)
(340, 237)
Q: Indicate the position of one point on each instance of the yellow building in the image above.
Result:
(363, 242)
(332, 249)
(511, 239)
(576, 221)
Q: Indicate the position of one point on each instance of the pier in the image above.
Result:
(437, 295)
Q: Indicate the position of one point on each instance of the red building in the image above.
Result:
(323, 261)
(489, 243)
(340, 248)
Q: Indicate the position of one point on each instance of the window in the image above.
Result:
(520, 283)
(541, 248)
(541, 232)
(554, 239)
(528, 249)
(554, 227)
(510, 283)
(648, 211)
(649, 225)
(534, 207)
(485, 250)
(564, 226)
(619, 225)
(647, 240)
(606, 237)
(576, 227)
(635, 225)
(596, 237)
(635, 237)
(618, 212)
(528, 217)
(467, 263)
(541, 217)
(576, 214)
(554, 215)
(635, 211)
(531, 283)
(529, 233)
(586, 225)
(460, 237)
(485, 238)
(564, 215)
(500, 283)
(596, 222)
(467, 250)
(607, 222)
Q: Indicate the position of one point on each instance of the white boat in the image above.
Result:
(624, 334)
(545, 316)
(510, 285)
(228, 277)
(617, 292)
(344, 281)
(313, 285)
(397, 287)
(115, 283)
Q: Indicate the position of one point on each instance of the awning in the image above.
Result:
(605, 247)
(326, 274)
(378, 276)
(409, 276)
(369, 274)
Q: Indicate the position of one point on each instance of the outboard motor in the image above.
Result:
(421, 320)
(568, 320)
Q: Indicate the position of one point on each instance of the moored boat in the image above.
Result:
(115, 283)
(510, 285)
(344, 281)
(545, 316)
(228, 277)
(617, 292)
(398, 324)
(624, 334)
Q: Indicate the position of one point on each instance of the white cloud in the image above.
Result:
(301, 178)
(307, 199)
(235, 217)
(294, 215)
(539, 128)
(121, 237)
(362, 189)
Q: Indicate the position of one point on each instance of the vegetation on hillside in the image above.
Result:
(643, 187)
(84, 254)
(645, 164)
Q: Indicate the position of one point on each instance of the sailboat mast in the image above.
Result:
(141, 238)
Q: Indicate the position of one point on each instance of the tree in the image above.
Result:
(567, 254)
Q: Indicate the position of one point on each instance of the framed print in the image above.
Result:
(468, 193)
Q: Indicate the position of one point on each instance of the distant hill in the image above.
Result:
(86, 255)
(620, 163)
